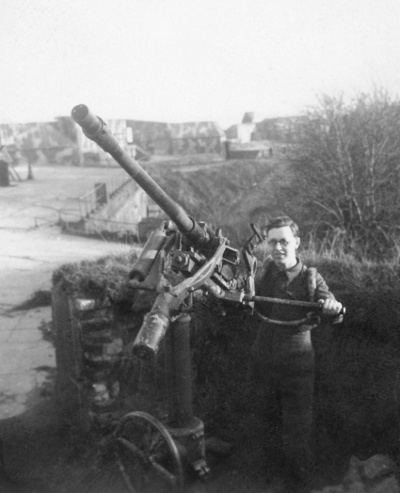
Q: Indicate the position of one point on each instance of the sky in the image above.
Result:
(192, 60)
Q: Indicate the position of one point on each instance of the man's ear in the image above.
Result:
(297, 242)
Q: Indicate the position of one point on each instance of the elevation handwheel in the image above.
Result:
(147, 455)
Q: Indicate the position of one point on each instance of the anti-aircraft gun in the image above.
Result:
(180, 259)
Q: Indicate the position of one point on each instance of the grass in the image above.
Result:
(228, 196)
(105, 278)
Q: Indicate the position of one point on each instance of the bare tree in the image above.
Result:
(345, 172)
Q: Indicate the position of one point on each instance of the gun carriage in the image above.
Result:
(181, 259)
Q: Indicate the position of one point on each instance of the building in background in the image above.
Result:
(63, 142)
(259, 138)
(197, 138)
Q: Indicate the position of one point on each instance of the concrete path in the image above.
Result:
(30, 250)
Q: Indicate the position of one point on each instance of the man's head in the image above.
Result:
(283, 240)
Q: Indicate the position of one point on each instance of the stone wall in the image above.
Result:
(44, 143)
(153, 137)
(120, 213)
(90, 342)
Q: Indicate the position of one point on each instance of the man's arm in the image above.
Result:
(330, 306)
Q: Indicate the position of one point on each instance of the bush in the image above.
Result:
(344, 175)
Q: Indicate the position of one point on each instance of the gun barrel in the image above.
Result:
(95, 129)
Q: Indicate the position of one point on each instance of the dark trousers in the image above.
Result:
(285, 382)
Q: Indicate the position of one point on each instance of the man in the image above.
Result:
(283, 352)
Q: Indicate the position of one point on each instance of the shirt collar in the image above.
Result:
(294, 271)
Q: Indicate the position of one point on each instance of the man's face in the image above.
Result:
(283, 245)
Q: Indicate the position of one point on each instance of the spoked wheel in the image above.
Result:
(147, 456)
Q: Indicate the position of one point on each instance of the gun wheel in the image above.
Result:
(147, 455)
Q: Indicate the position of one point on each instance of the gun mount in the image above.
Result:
(180, 258)
(200, 260)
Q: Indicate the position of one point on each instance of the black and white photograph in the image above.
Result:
(200, 246)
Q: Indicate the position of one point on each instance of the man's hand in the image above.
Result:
(330, 307)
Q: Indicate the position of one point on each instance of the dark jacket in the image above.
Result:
(291, 284)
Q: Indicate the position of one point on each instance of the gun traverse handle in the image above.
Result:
(338, 319)
(333, 319)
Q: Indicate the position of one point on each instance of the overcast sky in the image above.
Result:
(183, 60)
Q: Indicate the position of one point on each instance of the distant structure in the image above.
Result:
(62, 142)
(266, 138)
(242, 132)
(6, 135)
(248, 117)
(282, 130)
(177, 139)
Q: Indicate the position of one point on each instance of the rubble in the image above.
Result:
(373, 475)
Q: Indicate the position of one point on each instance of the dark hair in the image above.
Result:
(281, 222)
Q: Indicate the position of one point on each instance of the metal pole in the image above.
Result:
(179, 375)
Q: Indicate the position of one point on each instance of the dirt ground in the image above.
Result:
(41, 455)
(31, 248)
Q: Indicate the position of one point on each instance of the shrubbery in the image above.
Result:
(345, 174)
